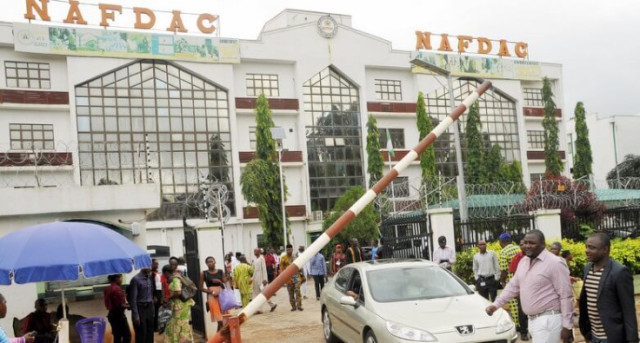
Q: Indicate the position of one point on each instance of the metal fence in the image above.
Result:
(409, 234)
(621, 222)
(468, 233)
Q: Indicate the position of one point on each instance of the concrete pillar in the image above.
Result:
(548, 221)
(442, 225)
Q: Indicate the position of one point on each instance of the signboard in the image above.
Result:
(484, 46)
(481, 67)
(112, 43)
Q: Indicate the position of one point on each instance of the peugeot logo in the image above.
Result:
(465, 330)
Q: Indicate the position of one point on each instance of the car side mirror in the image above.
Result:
(473, 288)
(349, 301)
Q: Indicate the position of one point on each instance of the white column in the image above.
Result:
(442, 225)
(548, 221)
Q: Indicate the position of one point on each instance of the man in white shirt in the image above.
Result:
(305, 272)
(260, 278)
(486, 271)
(235, 261)
(444, 255)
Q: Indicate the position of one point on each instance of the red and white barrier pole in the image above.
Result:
(350, 214)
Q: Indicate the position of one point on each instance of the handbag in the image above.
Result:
(238, 297)
(164, 315)
(189, 289)
(227, 300)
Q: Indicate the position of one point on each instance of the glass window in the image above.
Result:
(497, 115)
(342, 279)
(533, 97)
(31, 136)
(262, 83)
(388, 89)
(252, 137)
(152, 138)
(418, 283)
(535, 139)
(27, 75)
(333, 137)
(397, 138)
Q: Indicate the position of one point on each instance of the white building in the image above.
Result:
(611, 137)
(142, 127)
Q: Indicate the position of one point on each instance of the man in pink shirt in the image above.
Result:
(542, 281)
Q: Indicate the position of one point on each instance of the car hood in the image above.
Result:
(442, 314)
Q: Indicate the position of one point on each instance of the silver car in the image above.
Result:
(407, 301)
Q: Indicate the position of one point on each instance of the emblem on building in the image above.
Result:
(327, 26)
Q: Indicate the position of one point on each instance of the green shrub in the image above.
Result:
(625, 251)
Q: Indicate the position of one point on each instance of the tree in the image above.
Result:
(583, 158)
(495, 165)
(260, 179)
(218, 161)
(630, 167)
(425, 126)
(375, 162)
(551, 141)
(475, 172)
(559, 192)
(364, 226)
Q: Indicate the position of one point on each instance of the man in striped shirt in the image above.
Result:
(607, 311)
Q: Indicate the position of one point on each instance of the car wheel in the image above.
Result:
(326, 328)
(370, 337)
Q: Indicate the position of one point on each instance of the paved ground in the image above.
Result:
(285, 326)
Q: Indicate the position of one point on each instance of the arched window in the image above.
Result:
(153, 121)
(499, 124)
(333, 130)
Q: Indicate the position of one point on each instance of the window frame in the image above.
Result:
(532, 97)
(397, 137)
(27, 135)
(253, 89)
(13, 69)
(387, 89)
(535, 139)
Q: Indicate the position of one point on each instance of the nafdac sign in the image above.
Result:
(484, 46)
(145, 18)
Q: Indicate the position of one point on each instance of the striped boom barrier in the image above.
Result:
(351, 213)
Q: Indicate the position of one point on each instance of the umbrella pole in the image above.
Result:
(63, 334)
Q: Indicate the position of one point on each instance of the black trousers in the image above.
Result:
(270, 271)
(318, 281)
(490, 288)
(119, 327)
(144, 331)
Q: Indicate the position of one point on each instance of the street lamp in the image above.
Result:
(278, 134)
(462, 194)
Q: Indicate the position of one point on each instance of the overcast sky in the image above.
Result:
(597, 42)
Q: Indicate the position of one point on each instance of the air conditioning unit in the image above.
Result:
(316, 216)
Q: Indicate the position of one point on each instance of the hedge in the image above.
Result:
(625, 251)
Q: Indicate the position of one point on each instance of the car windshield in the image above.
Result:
(413, 283)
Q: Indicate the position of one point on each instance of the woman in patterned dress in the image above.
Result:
(242, 274)
(178, 329)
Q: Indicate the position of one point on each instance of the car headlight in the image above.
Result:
(409, 333)
(504, 324)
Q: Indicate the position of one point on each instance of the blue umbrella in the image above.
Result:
(59, 251)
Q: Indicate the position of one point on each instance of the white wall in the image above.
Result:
(57, 65)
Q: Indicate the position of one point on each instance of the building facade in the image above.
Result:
(129, 140)
(611, 137)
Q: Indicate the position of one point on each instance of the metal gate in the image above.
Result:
(409, 235)
(193, 271)
(468, 233)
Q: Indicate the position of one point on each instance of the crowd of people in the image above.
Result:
(536, 284)
(538, 287)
